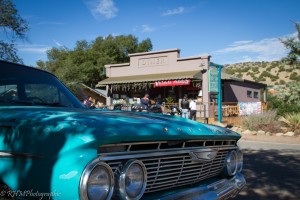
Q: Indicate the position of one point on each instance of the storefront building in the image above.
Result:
(167, 77)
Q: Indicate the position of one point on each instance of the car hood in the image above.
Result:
(21, 127)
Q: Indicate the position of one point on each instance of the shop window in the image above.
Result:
(249, 94)
(255, 95)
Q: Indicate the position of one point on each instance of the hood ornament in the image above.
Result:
(203, 155)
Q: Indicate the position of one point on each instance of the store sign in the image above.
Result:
(171, 83)
(213, 80)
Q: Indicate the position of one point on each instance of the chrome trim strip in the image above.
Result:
(161, 142)
(140, 154)
(14, 155)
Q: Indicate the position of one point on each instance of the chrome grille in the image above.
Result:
(166, 172)
(170, 168)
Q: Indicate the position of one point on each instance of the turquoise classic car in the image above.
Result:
(53, 148)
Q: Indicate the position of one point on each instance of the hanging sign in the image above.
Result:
(213, 80)
(171, 83)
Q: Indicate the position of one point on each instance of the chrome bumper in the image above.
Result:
(222, 189)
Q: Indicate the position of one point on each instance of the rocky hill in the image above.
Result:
(270, 73)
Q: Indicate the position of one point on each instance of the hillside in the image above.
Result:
(270, 73)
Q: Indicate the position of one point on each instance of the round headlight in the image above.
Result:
(132, 181)
(97, 182)
(239, 160)
(231, 163)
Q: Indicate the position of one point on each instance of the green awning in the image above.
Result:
(152, 77)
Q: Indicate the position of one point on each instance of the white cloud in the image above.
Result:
(268, 49)
(102, 8)
(147, 29)
(57, 43)
(32, 48)
(175, 11)
(238, 43)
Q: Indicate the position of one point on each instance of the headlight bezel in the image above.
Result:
(231, 155)
(122, 180)
(240, 160)
(83, 186)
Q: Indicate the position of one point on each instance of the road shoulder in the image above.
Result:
(275, 139)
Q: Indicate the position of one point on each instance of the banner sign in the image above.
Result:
(213, 80)
(171, 83)
(248, 108)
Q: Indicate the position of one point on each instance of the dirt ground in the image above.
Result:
(277, 139)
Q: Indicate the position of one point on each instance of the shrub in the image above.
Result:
(282, 105)
(282, 82)
(292, 121)
(255, 69)
(293, 76)
(262, 121)
(239, 75)
(230, 70)
(281, 69)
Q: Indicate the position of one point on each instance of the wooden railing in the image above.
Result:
(229, 109)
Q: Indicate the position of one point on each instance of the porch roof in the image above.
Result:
(152, 77)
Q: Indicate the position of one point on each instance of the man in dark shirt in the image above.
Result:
(185, 105)
(145, 102)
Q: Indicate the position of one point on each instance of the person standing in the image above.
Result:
(193, 109)
(185, 107)
(88, 102)
(145, 102)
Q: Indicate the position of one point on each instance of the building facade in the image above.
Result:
(165, 76)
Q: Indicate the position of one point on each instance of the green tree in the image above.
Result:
(290, 94)
(293, 44)
(282, 107)
(85, 63)
(15, 28)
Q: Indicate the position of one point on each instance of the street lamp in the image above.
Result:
(219, 68)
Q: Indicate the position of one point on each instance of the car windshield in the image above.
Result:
(27, 86)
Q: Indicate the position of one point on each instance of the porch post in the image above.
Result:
(204, 88)
(108, 95)
(220, 93)
(219, 68)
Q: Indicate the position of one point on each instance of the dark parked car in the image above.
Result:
(53, 147)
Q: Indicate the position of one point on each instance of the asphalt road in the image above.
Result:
(272, 171)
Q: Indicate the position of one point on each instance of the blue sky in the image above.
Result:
(231, 31)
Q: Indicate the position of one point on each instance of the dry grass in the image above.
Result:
(266, 121)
